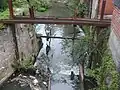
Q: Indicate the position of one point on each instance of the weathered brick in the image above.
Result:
(114, 40)
(116, 22)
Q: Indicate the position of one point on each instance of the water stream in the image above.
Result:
(58, 60)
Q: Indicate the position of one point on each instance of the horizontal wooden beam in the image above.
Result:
(80, 21)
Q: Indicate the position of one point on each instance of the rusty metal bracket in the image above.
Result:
(103, 9)
(10, 9)
(33, 20)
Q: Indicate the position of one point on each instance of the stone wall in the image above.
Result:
(7, 53)
(114, 40)
(27, 42)
(27, 47)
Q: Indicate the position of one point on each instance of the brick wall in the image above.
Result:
(114, 40)
(116, 22)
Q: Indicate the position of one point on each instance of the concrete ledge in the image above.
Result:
(5, 78)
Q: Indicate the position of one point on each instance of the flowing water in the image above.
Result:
(58, 60)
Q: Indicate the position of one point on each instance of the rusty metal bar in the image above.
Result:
(55, 18)
(56, 37)
(10, 9)
(103, 9)
(12, 27)
(59, 21)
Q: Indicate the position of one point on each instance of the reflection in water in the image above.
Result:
(59, 61)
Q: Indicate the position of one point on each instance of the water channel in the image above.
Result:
(59, 61)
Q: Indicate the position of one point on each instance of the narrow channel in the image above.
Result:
(60, 60)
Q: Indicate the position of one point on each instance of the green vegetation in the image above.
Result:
(106, 74)
(92, 52)
(4, 14)
(3, 5)
(27, 63)
(78, 9)
(39, 5)
(23, 65)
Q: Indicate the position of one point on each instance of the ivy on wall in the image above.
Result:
(106, 75)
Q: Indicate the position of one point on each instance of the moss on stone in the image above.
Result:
(4, 15)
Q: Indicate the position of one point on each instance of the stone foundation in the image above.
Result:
(27, 47)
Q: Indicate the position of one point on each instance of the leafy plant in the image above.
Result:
(23, 65)
(4, 15)
(78, 8)
(106, 75)
(39, 5)
(3, 5)
(27, 63)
